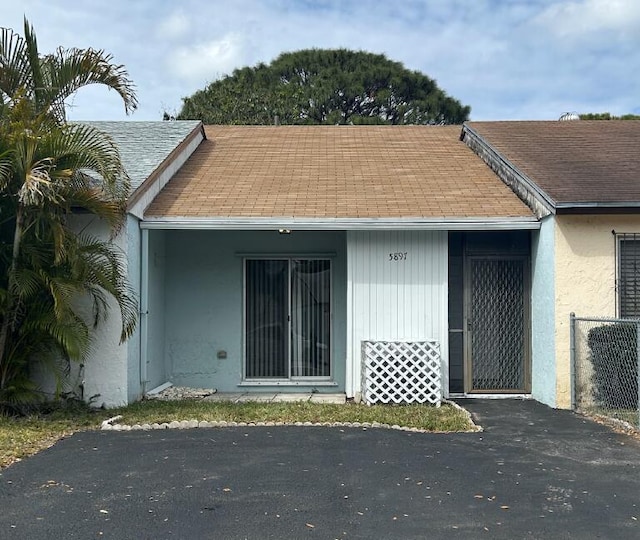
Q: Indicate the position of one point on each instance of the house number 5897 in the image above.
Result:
(398, 256)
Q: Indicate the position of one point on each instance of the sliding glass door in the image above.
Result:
(287, 318)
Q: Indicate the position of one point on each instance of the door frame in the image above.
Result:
(467, 330)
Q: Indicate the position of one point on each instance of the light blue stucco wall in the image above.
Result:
(156, 309)
(132, 250)
(543, 361)
(204, 295)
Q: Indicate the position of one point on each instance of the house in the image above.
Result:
(582, 181)
(276, 250)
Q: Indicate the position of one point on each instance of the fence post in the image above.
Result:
(572, 358)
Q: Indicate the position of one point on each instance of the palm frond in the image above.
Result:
(38, 86)
(14, 66)
(6, 170)
(91, 199)
(71, 69)
(105, 267)
(50, 79)
(27, 283)
(80, 147)
(70, 333)
(65, 168)
(63, 292)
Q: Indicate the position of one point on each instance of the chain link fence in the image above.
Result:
(605, 360)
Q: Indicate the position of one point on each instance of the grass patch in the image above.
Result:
(630, 416)
(25, 436)
(445, 418)
(22, 437)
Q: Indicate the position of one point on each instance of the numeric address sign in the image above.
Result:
(398, 256)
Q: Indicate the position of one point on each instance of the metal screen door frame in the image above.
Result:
(468, 327)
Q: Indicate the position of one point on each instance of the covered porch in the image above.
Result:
(245, 311)
(269, 312)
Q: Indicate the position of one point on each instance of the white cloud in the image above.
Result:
(175, 26)
(586, 17)
(208, 60)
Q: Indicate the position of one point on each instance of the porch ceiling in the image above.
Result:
(336, 173)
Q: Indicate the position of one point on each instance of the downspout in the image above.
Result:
(144, 308)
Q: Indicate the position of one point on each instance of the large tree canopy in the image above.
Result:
(318, 86)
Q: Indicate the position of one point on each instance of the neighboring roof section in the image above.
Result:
(144, 146)
(151, 152)
(335, 172)
(574, 165)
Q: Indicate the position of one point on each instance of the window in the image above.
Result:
(629, 275)
(287, 318)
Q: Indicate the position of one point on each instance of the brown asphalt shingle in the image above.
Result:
(578, 161)
(335, 172)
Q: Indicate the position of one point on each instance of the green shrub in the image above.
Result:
(614, 357)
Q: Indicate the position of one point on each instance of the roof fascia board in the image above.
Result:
(142, 197)
(469, 224)
(526, 189)
(598, 208)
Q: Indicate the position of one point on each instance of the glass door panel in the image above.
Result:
(266, 319)
(310, 318)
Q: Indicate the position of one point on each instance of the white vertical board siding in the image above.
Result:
(395, 300)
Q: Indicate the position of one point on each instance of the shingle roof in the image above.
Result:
(145, 145)
(335, 172)
(575, 162)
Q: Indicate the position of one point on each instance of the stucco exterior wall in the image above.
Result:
(543, 373)
(585, 269)
(204, 303)
(109, 375)
(133, 252)
(106, 367)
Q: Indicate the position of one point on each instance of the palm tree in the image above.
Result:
(48, 169)
(48, 80)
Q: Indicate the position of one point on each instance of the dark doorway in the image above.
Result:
(489, 289)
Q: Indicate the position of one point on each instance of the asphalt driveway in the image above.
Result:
(533, 473)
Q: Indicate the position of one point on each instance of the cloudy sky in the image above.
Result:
(507, 59)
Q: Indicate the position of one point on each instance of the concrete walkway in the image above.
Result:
(533, 473)
(278, 397)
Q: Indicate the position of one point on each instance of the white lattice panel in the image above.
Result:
(401, 372)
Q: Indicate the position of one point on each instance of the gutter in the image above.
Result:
(598, 208)
(333, 224)
(540, 202)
